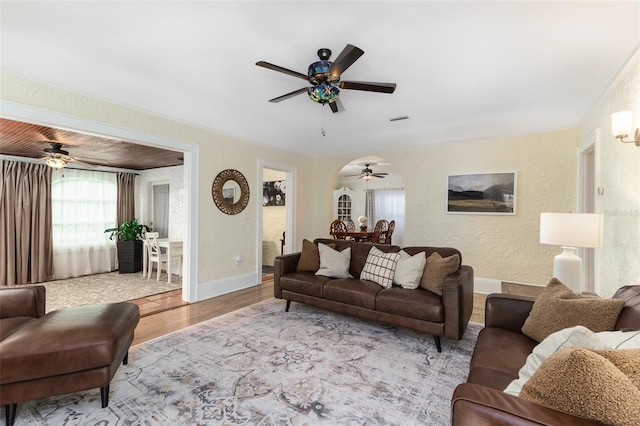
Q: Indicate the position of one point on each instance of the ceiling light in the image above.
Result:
(622, 127)
(323, 93)
(55, 162)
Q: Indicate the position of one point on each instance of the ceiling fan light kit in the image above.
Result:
(324, 77)
(55, 162)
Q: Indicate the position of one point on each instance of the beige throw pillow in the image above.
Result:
(333, 263)
(436, 271)
(310, 257)
(380, 267)
(602, 386)
(559, 307)
(409, 270)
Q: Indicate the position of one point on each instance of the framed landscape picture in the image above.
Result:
(482, 193)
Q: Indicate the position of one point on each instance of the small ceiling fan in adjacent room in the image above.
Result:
(324, 77)
(367, 174)
(58, 158)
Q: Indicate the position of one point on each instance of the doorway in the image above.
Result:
(588, 191)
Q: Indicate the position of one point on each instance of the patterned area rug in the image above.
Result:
(105, 288)
(262, 366)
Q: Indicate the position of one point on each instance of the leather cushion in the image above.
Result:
(490, 378)
(417, 304)
(354, 292)
(304, 283)
(502, 350)
(67, 341)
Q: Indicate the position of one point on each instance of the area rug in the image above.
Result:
(105, 288)
(263, 366)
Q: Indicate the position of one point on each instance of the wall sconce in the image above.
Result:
(622, 127)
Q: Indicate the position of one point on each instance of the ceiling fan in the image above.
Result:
(324, 77)
(57, 158)
(367, 174)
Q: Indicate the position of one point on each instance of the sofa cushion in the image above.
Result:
(310, 257)
(490, 378)
(417, 304)
(436, 271)
(380, 267)
(559, 307)
(603, 386)
(304, 283)
(334, 263)
(578, 336)
(409, 270)
(501, 350)
(351, 291)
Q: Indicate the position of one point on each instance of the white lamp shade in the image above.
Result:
(622, 123)
(571, 229)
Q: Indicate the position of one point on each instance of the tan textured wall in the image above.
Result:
(498, 247)
(273, 222)
(221, 237)
(618, 261)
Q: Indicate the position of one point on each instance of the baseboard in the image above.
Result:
(227, 285)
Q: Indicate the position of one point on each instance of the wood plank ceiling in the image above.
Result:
(29, 140)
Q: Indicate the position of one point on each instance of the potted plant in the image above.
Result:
(129, 245)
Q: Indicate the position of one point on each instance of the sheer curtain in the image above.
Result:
(83, 206)
(389, 205)
(25, 223)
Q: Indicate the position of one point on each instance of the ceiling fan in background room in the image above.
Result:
(324, 77)
(57, 158)
(367, 173)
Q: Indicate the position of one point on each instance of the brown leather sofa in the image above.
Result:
(500, 352)
(419, 309)
(64, 351)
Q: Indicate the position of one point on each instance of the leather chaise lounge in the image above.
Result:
(64, 351)
(419, 309)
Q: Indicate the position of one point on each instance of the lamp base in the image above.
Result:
(567, 267)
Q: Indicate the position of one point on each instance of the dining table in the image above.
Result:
(171, 245)
(357, 235)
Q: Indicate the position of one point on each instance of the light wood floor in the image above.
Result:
(167, 321)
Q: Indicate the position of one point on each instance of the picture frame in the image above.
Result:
(481, 193)
(273, 193)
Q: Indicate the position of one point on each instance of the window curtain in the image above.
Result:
(83, 206)
(25, 228)
(389, 205)
(370, 207)
(126, 197)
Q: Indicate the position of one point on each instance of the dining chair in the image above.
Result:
(156, 256)
(380, 232)
(338, 230)
(392, 227)
(351, 226)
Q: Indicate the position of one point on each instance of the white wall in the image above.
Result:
(174, 176)
(618, 261)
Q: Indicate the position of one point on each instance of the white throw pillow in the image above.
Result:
(380, 267)
(621, 339)
(409, 270)
(333, 263)
(577, 336)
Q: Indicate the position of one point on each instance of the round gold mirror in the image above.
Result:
(230, 191)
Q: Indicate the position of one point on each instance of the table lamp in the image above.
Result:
(570, 230)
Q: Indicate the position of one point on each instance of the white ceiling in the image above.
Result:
(464, 69)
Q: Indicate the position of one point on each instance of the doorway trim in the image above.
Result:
(290, 211)
(589, 201)
(34, 115)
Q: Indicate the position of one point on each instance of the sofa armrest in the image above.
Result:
(457, 297)
(22, 302)
(478, 405)
(507, 311)
(283, 265)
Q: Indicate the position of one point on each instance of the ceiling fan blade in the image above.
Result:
(289, 95)
(379, 174)
(282, 70)
(336, 106)
(345, 59)
(358, 175)
(368, 86)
